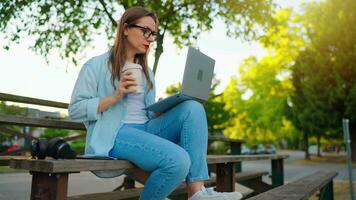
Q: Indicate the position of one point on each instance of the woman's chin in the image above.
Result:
(142, 51)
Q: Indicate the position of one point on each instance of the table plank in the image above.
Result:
(77, 165)
(212, 159)
(74, 165)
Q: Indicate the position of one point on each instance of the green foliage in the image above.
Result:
(70, 25)
(78, 145)
(173, 89)
(258, 97)
(52, 133)
(11, 109)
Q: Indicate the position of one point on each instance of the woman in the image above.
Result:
(171, 146)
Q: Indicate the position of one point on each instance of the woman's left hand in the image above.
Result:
(158, 113)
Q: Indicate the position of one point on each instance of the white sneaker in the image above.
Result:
(211, 194)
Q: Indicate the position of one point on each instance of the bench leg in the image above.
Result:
(277, 172)
(47, 186)
(236, 150)
(327, 193)
(225, 177)
(256, 184)
(129, 183)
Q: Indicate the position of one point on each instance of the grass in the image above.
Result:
(327, 158)
(7, 169)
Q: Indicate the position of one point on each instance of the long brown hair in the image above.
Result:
(118, 53)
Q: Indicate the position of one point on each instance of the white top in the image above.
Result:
(135, 104)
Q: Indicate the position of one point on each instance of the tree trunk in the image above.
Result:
(306, 145)
(318, 138)
(159, 51)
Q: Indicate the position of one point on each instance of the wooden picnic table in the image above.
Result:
(52, 175)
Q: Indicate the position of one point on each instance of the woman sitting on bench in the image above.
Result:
(109, 96)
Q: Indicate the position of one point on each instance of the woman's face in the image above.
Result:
(135, 35)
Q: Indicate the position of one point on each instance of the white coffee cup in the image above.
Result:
(137, 73)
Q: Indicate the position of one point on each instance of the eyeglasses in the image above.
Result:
(146, 31)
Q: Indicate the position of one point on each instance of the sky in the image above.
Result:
(24, 73)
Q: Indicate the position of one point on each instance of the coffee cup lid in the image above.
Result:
(131, 66)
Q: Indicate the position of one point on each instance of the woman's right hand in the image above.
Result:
(126, 81)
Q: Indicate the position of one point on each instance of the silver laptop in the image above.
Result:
(198, 74)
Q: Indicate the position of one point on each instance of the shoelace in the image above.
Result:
(211, 190)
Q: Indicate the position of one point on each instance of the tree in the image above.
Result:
(69, 26)
(324, 73)
(257, 98)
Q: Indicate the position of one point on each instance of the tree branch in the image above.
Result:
(114, 23)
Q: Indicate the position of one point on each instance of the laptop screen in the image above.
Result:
(198, 74)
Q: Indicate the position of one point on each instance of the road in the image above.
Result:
(16, 186)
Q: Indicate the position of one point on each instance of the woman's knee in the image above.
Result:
(193, 106)
(180, 163)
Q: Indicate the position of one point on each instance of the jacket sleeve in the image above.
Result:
(153, 84)
(151, 114)
(84, 102)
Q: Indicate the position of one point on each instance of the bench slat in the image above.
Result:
(65, 124)
(30, 100)
(134, 193)
(299, 190)
(58, 166)
(38, 122)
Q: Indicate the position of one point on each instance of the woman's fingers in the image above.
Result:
(128, 83)
(158, 114)
(130, 91)
(128, 78)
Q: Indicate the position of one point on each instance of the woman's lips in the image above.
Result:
(146, 46)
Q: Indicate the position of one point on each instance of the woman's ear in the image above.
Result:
(126, 29)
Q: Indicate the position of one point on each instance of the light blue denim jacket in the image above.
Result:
(94, 83)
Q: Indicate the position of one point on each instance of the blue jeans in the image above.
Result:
(172, 147)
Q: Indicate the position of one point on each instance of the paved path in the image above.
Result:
(295, 170)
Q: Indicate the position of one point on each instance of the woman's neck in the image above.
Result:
(130, 54)
(130, 59)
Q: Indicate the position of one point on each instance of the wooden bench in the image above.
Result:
(250, 179)
(303, 188)
(50, 177)
(235, 146)
(179, 193)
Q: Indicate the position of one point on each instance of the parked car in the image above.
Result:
(313, 150)
(10, 149)
(4, 148)
(270, 149)
(245, 150)
(258, 149)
